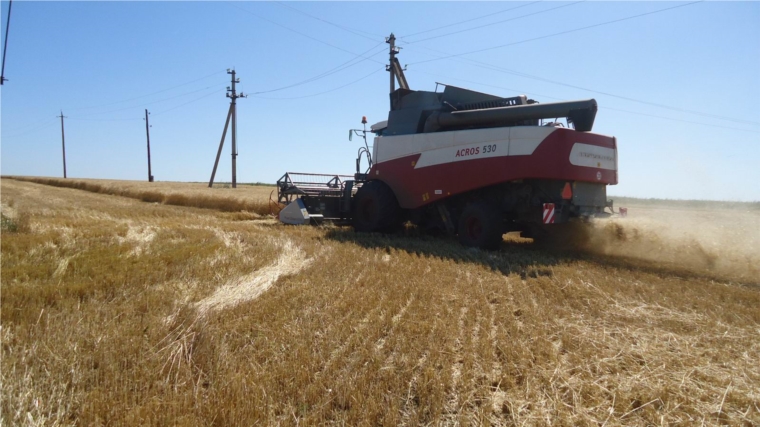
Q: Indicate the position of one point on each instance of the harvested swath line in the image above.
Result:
(380, 343)
(291, 261)
(498, 396)
(471, 402)
(412, 392)
(357, 331)
(453, 403)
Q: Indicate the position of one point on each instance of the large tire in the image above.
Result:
(375, 208)
(480, 226)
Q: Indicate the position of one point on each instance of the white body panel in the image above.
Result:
(453, 146)
(593, 156)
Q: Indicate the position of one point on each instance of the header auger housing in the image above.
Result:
(472, 164)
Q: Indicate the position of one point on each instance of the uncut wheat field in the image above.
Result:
(175, 305)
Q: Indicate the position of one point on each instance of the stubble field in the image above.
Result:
(118, 311)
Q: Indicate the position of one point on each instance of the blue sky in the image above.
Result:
(103, 63)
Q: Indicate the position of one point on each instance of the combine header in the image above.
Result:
(469, 163)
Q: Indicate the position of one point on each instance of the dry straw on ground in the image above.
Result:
(119, 312)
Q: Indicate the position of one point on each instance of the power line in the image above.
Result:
(327, 73)
(679, 120)
(525, 75)
(601, 107)
(48, 123)
(102, 120)
(496, 23)
(156, 102)
(300, 33)
(467, 20)
(327, 91)
(654, 104)
(150, 94)
(186, 103)
(342, 27)
(18, 128)
(559, 33)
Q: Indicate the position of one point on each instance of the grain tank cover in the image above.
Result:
(459, 109)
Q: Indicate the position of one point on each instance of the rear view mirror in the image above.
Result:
(350, 135)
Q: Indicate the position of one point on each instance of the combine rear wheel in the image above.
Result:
(480, 226)
(375, 208)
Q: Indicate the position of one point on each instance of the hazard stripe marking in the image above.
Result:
(548, 213)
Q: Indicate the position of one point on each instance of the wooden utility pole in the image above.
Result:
(147, 135)
(63, 143)
(5, 47)
(231, 115)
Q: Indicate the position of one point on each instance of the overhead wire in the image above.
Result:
(467, 20)
(525, 75)
(497, 68)
(300, 33)
(329, 72)
(182, 105)
(45, 125)
(150, 94)
(327, 91)
(156, 102)
(601, 107)
(560, 33)
(342, 27)
(480, 27)
(18, 128)
(364, 56)
(105, 120)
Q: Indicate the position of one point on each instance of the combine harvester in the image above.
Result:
(468, 163)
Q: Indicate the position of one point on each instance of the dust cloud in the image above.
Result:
(721, 242)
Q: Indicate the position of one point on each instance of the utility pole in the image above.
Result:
(231, 114)
(394, 68)
(63, 143)
(393, 51)
(147, 134)
(232, 94)
(5, 47)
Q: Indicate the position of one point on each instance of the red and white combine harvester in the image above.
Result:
(466, 162)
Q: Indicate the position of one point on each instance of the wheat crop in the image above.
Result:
(120, 312)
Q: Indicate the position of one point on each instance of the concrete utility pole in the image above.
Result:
(63, 143)
(231, 114)
(394, 68)
(147, 134)
(393, 51)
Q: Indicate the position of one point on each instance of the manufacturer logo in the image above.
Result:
(598, 176)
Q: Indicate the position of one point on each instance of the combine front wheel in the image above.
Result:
(480, 226)
(375, 208)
